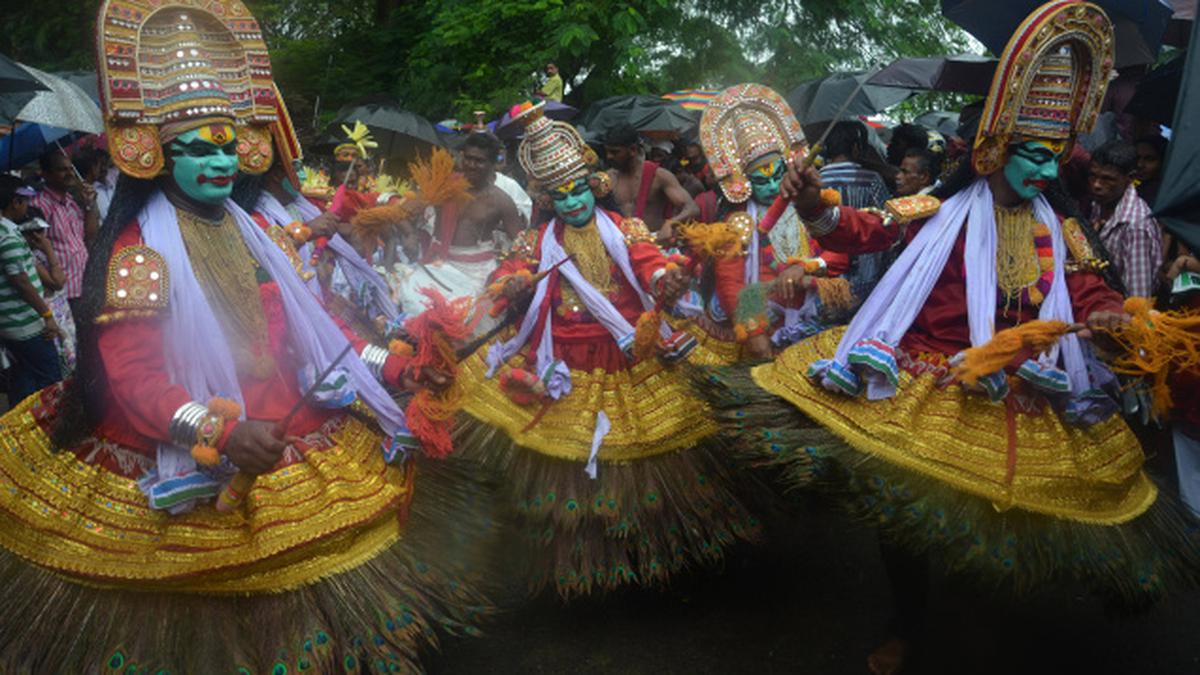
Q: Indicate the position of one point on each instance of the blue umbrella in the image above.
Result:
(1139, 24)
(27, 142)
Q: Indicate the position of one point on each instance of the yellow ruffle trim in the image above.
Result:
(651, 408)
(333, 512)
(1091, 475)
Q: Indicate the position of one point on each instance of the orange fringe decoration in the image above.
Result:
(436, 180)
(999, 352)
(1157, 346)
(224, 407)
(204, 451)
(430, 414)
(713, 240)
(834, 292)
(400, 348)
(645, 335)
(831, 197)
(495, 290)
(375, 223)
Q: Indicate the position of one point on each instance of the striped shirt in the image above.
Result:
(66, 235)
(18, 319)
(1134, 241)
(860, 188)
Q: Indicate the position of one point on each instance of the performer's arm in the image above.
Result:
(836, 262)
(730, 278)
(1090, 295)
(848, 230)
(136, 368)
(685, 209)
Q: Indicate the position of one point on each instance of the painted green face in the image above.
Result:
(1031, 166)
(205, 162)
(765, 179)
(294, 190)
(574, 203)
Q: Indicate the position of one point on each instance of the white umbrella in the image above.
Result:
(65, 105)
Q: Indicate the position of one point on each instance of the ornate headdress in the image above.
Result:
(741, 125)
(287, 144)
(358, 143)
(1049, 83)
(168, 66)
(552, 153)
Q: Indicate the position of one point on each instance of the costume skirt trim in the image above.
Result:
(1133, 561)
(367, 594)
(651, 408)
(638, 522)
(1016, 454)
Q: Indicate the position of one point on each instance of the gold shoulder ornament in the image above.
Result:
(1083, 256)
(635, 231)
(137, 284)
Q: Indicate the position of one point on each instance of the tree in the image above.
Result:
(451, 57)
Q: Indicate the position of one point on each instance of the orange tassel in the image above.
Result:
(429, 414)
(713, 240)
(436, 180)
(206, 455)
(1157, 346)
(831, 197)
(1005, 346)
(834, 292)
(645, 335)
(373, 224)
(400, 348)
(226, 408)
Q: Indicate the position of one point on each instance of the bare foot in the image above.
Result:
(889, 657)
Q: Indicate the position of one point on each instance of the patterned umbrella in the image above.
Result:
(692, 99)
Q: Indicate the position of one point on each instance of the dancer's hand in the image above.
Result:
(515, 286)
(416, 379)
(665, 237)
(1102, 323)
(672, 285)
(253, 448)
(790, 283)
(802, 185)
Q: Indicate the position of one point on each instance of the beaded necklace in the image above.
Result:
(1024, 257)
(228, 275)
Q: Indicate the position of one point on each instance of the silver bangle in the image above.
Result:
(827, 223)
(655, 277)
(374, 358)
(185, 424)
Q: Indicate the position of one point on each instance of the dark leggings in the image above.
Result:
(908, 576)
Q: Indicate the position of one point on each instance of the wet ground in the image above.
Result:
(816, 601)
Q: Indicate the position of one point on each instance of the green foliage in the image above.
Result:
(451, 57)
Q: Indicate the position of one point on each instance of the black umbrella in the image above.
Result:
(17, 87)
(963, 74)
(398, 132)
(942, 121)
(820, 100)
(650, 115)
(1157, 92)
(1177, 206)
(1139, 24)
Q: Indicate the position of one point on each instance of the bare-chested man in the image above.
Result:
(491, 209)
(463, 252)
(643, 189)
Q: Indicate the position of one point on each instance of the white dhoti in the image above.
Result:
(464, 273)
